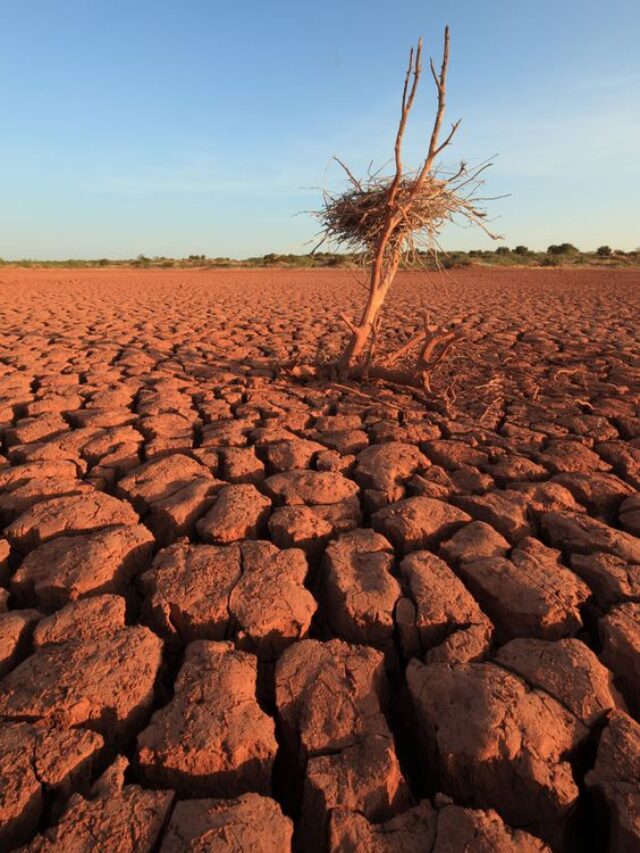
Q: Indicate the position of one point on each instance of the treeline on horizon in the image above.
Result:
(556, 255)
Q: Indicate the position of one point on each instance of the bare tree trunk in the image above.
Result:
(379, 285)
(390, 244)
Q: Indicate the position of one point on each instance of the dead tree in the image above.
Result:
(388, 217)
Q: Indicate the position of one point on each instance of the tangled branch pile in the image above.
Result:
(357, 218)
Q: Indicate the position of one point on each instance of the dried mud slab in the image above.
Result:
(67, 516)
(567, 670)
(269, 605)
(36, 762)
(358, 588)
(447, 828)
(615, 778)
(114, 816)
(69, 568)
(330, 698)
(187, 591)
(5, 550)
(612, 580)
(212, 738)
(620, 633)
(16, 629)
(630, 515)
(309, 488)
(417, 523)
(385, 468)
(437, 607)
(497, 743)
(528, 594)
(249, 822)
(475, 541)
(171, 493)
(240, 512)
(578, 534)
(505, 510)
(312, 527)
(99, 677)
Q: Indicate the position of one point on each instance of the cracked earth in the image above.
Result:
(242, 611)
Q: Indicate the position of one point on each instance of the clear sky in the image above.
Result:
(171, 127)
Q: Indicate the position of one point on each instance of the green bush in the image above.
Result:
(522, 250)
(562, 249)
(503, 250)
(604, 251)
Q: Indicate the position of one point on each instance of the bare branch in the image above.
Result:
(348, 323)
(441, 84)
(415, 68)
(350, 175)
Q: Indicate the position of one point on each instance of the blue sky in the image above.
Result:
(171, 128)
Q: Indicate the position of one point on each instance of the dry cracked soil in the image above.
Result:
(247, 610)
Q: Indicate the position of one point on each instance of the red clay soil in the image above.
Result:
(242, 609)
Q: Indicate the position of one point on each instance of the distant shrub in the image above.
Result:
(604, 251)
(522, 250)
(503, 250)
(562, 249)
(455, 262)
(103, 262)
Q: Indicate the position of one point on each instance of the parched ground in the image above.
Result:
(241, 610)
